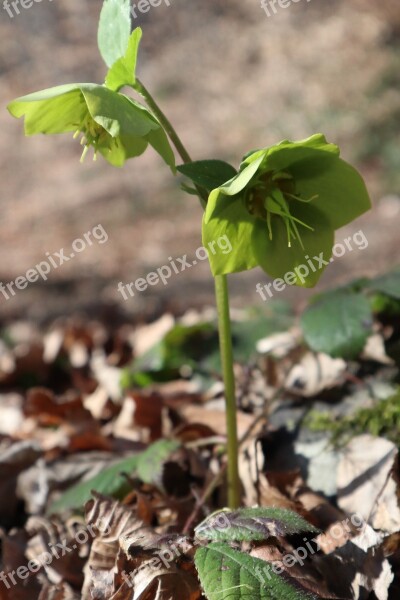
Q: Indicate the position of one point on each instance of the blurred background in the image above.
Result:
(231, 79)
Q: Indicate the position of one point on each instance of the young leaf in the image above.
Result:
(113, 482)
(110, 482)
(123, 70)
(227, 574)
(338, 323)
(114, 30)
(208, 174)
(150, 463)
(247, 524)
(388, 284)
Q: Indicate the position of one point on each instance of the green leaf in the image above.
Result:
(338, 323)
(208, 174)
(110, 482)
(114, 30)
(252, 524)
(227, 574)
(197, 346)
(388, 284)
(147, 465)
(230, 188)
(123, 70)
(151, 461)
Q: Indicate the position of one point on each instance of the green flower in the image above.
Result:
(115, 125)
(283, 208)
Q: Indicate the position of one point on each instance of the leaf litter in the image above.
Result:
(113, 467)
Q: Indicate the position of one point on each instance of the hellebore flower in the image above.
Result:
(114, 124)
(283, 208)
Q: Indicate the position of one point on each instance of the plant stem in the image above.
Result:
(224, 323)
(225, 341)
(167, 125)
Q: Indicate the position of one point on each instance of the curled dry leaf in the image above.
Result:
(155, 581)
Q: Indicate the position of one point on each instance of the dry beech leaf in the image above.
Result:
(375, 350)
(315, 373)
(118, 529)
(377, 575)
(66, 565)
(151, 582)
(365, 482)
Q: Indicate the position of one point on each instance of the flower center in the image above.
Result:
(270, 197)
(93, 134)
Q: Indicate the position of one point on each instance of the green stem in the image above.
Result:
(169, 129)
(225, 341)
(224, 323)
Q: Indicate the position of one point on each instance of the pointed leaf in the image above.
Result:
(338, 323)
(208, 174)
(151, 461)
(247, 524)
(123, 70)
(114, 30)
(227, 574)
(110, 482)
(388, 284)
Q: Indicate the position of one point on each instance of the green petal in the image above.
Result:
(234, 221)
(342, 194)
(158, 139)
(55, 110)
(117, 150)
(277, 259)
(118, 114)
(286, 153)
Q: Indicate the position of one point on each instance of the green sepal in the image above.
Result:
(278, 260)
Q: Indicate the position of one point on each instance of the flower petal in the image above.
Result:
(117, 113)
(277, 259)
(342, 194)
(158, 139)
(286, 153)
(231, 219)
(55, 110)
(117, 150)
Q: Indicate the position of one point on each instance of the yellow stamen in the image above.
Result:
(85, 151)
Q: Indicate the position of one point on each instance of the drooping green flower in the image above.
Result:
(283, 208)
(115, 125)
